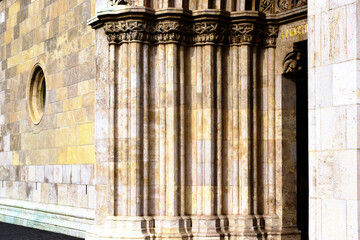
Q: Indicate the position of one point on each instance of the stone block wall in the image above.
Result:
(50, 163)
(334, 119)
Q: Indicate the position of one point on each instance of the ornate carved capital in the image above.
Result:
(242, 33)
(271, 34)
(112, 31)
(128, 31)
(208, 32)
(171, 31)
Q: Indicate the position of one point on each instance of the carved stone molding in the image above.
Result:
(270, 35)
(242, 33)
(208, 32)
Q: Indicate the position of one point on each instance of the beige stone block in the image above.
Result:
(62, 155)
(39, 173)
(352, 219)
(62, 137)
(333, 128)
(352, 136)
(345, 83)
(45, 192)
(351, 32)
(14, 8)
(339, 3)
(333, 220)
(66, 174)
(75, 174)
(324, 86)
(49, 174)
(86, 154)
(58, 173)
(325, 174)
(87, 174)
(73, 139)
(92, 197)
(82, 198)
(86, 134)
(344, 177)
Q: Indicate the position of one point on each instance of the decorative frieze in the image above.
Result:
(196, 33)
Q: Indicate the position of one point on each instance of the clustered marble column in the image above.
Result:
(185, 125)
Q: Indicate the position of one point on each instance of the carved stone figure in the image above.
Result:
(291, 62)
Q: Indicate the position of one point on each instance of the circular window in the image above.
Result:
(37, 95)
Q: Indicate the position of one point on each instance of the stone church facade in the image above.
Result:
(181, 119)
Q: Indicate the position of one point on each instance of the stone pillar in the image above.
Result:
(170, 67)
(207, 34)
(125, 192)
(241, 218)
(333, 52)
(272, 222)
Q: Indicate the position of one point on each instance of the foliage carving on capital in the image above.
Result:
(171, 31)
(271, 34)
(242, 33)
(112, 32)
(208, 32)
(128, 31)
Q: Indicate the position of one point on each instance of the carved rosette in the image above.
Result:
(242, 33)
(208, 32)
(271, 34)
(171, 31)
